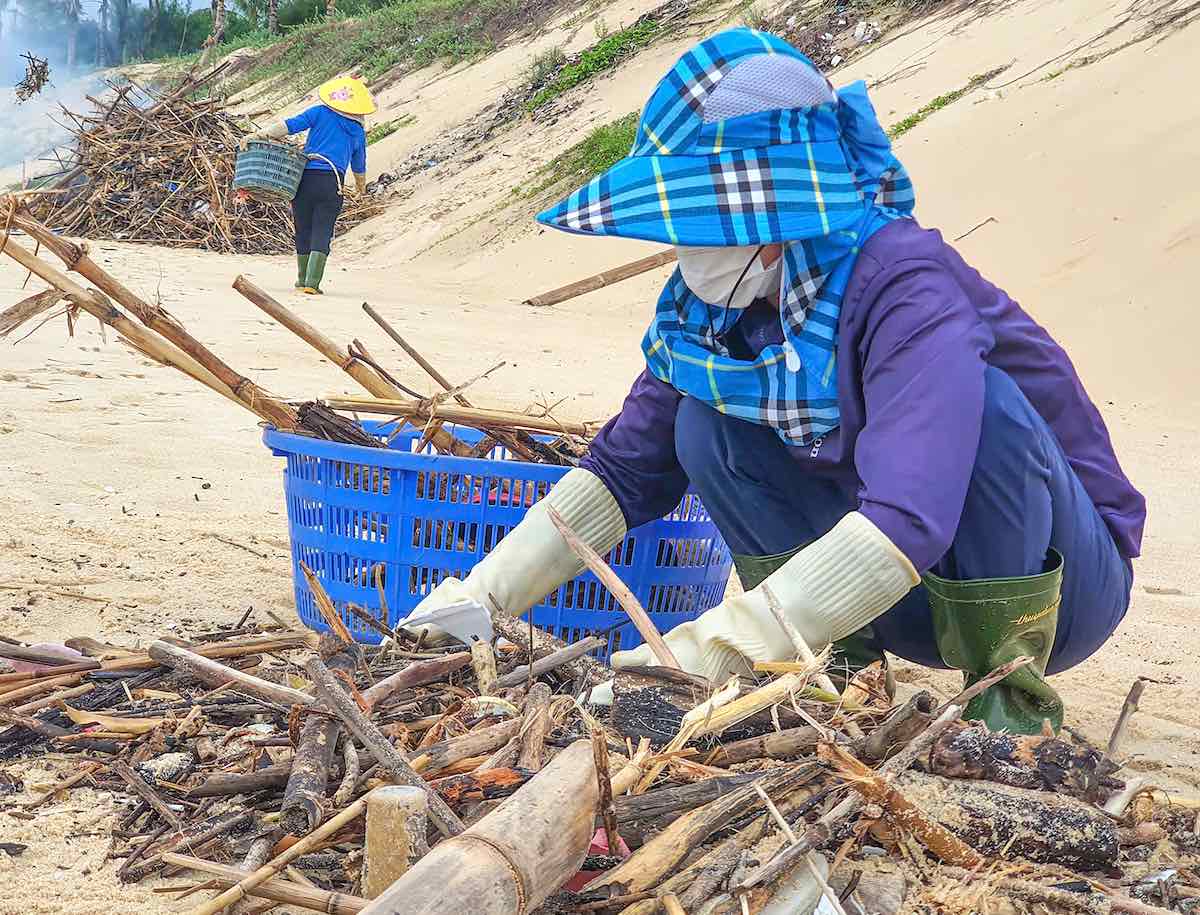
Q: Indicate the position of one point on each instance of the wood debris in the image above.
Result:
(37, 75)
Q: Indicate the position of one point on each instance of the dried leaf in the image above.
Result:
(112, 722)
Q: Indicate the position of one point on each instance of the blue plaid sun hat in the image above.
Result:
(744, 142)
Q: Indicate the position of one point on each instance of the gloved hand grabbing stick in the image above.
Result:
(617, 588)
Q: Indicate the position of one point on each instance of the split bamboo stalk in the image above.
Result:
(601, 279)
(340, 356)
(276, 888)
(515, 857)
(629, 603)
(159, 320)
(271, 868)
(469, 416)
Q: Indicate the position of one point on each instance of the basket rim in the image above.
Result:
(285, 443)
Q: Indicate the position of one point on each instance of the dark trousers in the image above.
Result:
(315, 210)
(1022, 499)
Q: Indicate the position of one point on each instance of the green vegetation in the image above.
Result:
(544, 65)
(387, 128)
(603, 55)
(597, 152)
(900, 128)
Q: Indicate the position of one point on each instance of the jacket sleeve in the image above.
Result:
(634, 454)
(923, 363)
(303, 121)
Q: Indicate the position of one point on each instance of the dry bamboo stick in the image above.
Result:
(629, 603)
(270, 869)
(341, 357)
(473, 416)
(214, 673)
(162, 322)
(146, 341)
(601, 279)
(275, 888)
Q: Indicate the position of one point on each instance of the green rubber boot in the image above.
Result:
(986, 622)
(850, 655)
(316, 270)
(301, 270)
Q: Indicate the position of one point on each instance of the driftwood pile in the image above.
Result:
(413, 780)
(159, 335)
(158, 169)
(37, 75)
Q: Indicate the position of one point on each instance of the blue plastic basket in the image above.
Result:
(387, 525)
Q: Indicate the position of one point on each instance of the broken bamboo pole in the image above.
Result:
(601, 279)
(470, 416)
(213, 673)
(340, 356)
(162, 322)
(515, 857)
(396, 825)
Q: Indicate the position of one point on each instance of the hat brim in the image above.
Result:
(758, 196)
(360, 103)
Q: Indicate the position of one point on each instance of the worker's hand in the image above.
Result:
(827, 591)
(244, 143)
(360, 184)
(450, 591)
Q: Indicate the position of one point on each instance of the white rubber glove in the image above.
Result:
(533, 559)
(828, 590)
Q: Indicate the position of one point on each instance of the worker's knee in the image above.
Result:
(709, 447)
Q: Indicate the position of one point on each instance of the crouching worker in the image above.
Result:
(886, 441)
(336, 140)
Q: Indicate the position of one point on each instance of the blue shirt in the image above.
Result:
(338, 138)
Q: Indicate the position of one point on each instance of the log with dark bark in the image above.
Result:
(223, 785)
(1015, 822)
(517, 630)
(1044, 763)
(302, 807)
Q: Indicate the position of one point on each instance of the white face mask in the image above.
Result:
(713, 272)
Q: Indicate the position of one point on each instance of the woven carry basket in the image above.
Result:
(269, 171)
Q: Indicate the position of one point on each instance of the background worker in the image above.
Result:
(336, 140)
(892, 448)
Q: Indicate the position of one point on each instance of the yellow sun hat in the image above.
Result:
(347, 95)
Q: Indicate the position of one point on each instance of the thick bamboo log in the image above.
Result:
(276, 889)
(162, 322)
(601, 279)
(514, 858)
(483, 661)
(341, 357)
(302, 799)
(469, 416)
(222, 785)
(785, 744)
(397, 819)
(329, 690)
(213, 673)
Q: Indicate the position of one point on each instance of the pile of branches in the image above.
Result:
(534, 437)
(408, 779)
(37, 74)
(159, 169)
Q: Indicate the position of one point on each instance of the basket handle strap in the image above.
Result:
(336, 174)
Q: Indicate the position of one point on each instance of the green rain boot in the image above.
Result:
(986, 622)
(851, 654)
(301, 270)
(316, 270)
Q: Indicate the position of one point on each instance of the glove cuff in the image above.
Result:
(534, 559)
(842, 581)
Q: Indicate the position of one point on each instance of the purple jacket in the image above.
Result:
(918, 328)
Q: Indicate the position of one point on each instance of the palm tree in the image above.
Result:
(72, 9)
(272, 16)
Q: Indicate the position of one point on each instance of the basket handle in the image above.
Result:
(336, 174)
